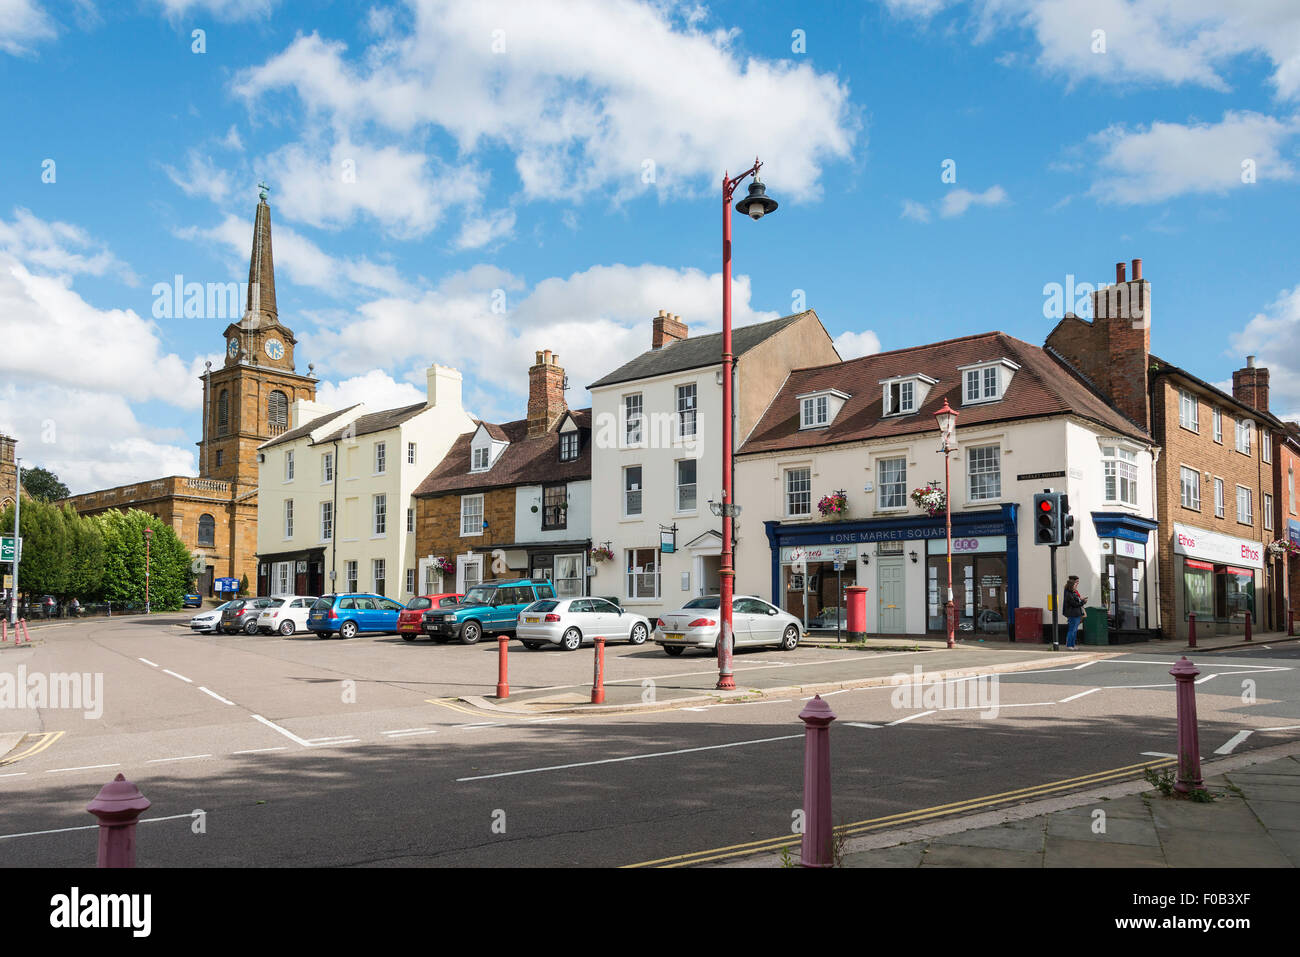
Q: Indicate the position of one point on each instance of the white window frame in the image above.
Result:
(1268, 512)
(1192, 501)
(628, 492)
(679, 486)
(1243, 436)
(378, 573)
(634, 581)
(410, 581)
(468, 512)
(288, 518)
(900, 485)
(1249, 501)
(688, 407)
(288, 465)
(1187, 401)
(906, 404)
(327, 521)
(816, 412)
(326, 468)
(379, 514)
(1220, 498)
(410, 519)
(350, 575)
(1119, 472)
(480, 458)
(971, 473)
(633, 419)
(1218, 424)
(1266, 446)
(981, 384)
(789, 492)
(570, 439)
(381, 458)
(410, 453)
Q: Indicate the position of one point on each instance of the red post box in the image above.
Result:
(856, 599)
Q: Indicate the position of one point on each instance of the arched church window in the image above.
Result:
(207, 530)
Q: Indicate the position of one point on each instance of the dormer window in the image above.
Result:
(568, 446)
(480, 459)
(484, 450)
(818, 409)
(986, 381)
(903, 395)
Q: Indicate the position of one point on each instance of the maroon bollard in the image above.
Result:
(1191, 630)
(598, 678)
(818, 833)
(1248, 638)
(503, 667)
(1189, 742)
(118, 806)
(1290, 621)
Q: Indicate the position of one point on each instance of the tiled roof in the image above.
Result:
(1168, 368)
(306, 429)
(524, 461)
(695, 353)
(376, 422)
(1042, 386)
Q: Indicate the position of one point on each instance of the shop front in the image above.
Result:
(292, 573)
(1123, 540)
(1218, 578)
(903, 564)
(563, 563)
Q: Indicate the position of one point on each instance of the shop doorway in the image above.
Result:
(890, 595)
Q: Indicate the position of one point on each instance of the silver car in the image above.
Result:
(206, 622)
(754, 622)
(568, 622)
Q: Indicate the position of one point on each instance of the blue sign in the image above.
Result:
(1293, 530)
(227, 584)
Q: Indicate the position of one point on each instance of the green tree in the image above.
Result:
(44, 568)
(86, 555)
(43, 485)
(124, 560)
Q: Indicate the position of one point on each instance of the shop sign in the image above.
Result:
(966, 545)
(1293, 530)
(1124, 548)
(800, 554)
(1226, 549)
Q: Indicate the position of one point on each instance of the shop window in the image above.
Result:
(642, 572)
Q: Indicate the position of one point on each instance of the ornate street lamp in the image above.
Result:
(148, 537)
(947, 419)
(756, 205)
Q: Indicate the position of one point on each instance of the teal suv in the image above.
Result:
(488, 608)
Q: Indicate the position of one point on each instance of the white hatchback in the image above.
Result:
(753, 622)
(286, 614)
(208, 621)
(568, 622)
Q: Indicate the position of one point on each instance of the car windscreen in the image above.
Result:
(323, 604)
(479, 596)
(542, 606)
(708, 601)
(415, 604)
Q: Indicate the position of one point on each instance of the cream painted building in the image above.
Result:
(335, 512)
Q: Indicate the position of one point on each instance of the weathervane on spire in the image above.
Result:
(262, 188)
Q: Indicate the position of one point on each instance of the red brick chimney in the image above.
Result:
(667, 328)
(1250, 385)
(545, 394)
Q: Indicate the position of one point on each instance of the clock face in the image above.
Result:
(232, 348)
(275, 348)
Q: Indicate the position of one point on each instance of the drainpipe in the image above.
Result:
(334, 511)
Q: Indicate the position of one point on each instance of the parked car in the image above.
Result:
(410, 622)
(568, 622)
(349, 615)
(488, 608)
(208, 621)
(829, 618)
(241, 615)
(286, 614)
(192, 601)
(754, 622)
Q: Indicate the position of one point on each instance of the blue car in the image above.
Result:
(192, 601)
(349, 615)
(488, 608)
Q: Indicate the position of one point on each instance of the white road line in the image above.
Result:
(284, 731)
(331, 744)
(91, 827)
(1267, 647)
(1158, 754)
(482, 724)
(910, 717)
(739, 668)
(1079, 695)
(543, 720)
(998, 707)
(175, 675)
(740, 704)
(88, 767)
(827, 694)
(18, 774)
(1201, 681)
(260, 750)
(209, 691)
(410, 734)
(1084, 665)
(701, 708)
(860, 724)
(632, 757)
(1165, 684)
(1232, 742)
(403, 730)
(188, 757)
(1287, 727)
(151, 665)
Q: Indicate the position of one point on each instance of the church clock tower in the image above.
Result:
(249, 397)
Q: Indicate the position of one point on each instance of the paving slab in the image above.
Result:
(1175, 815)
(1067, 852)
(901, 855)
(1288, 842)
(1119, 830)
(1184, 848)
(1019, 836)
(956, 855)
(1283, 815)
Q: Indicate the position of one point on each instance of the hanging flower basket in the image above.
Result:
(930, 499)
(443, 565)
(835, 505)
(602, 554)
(1284, 546)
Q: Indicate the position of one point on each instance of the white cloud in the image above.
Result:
(59, 247)
(201, 177)
(1155, 163)
(854, 345)
(227, 10)
(483, 230)
(22, 25)
(915, 211)
(563, 95)
(377, 389)
(1274, 337)
(955, 202)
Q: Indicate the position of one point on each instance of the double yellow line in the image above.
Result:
(909, 817)
(43, 740)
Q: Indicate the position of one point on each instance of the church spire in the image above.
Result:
(260, 307)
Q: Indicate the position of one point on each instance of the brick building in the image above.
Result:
(512, 498)
(1286, 469)
(246, 402)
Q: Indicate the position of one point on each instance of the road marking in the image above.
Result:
(828, 694)
(910, 717)
(1268, 647)
(403, 730)
(1233, 741)
(860, 724)
(544, 720)
(410, 734)
(1165, 684)
(632, 757)
(14, 774)
(188, 757)
(91, 827)
(284, 731)
(150, 664)
(209, 691)
(998, 707)
(481, 724)
(47, 739)
(1081, 694)
(333, 743)
(87, 767)
(905, 817)
(260, 750)
(1084, 665)
(1201, 681)
(1159, 754)
(1288, 727)
(737, 704)
(175, 675)
(739, 668)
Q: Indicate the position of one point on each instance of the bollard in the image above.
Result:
(118, 806)
(503, 667)
(21, 627)
(818, 833)
(1290, 621)
(1189, 744)
(598, 678)
(1191, 630)
(4, 629)
(1248, 638)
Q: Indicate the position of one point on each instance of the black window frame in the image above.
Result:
(555, 514)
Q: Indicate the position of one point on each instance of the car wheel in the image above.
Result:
(348, 629)
(321, 634)
(532, 645)
(287, 628)
(638, 635)
(471, 633)
(790, 638)
(571, 640)
(674, 650)
(251, 628)
(407, 636)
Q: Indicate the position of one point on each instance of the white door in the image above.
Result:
(469, 572)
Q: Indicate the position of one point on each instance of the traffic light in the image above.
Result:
(1067, 520)
(1047, 519)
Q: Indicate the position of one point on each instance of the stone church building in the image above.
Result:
(256, 395)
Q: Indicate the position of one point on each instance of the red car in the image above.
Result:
(409, 619)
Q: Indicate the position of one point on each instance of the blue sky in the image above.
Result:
(428, 160)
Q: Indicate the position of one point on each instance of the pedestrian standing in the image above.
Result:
(1072, 603)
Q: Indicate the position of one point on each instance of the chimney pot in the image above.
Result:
(539, 359)
(1137, 269)
(1250, 362)
(1119, 272)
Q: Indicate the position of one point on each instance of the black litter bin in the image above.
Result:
(1096, 626)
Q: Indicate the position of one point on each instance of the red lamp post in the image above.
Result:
(148, 537)
(756, 205)
(947, 419)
